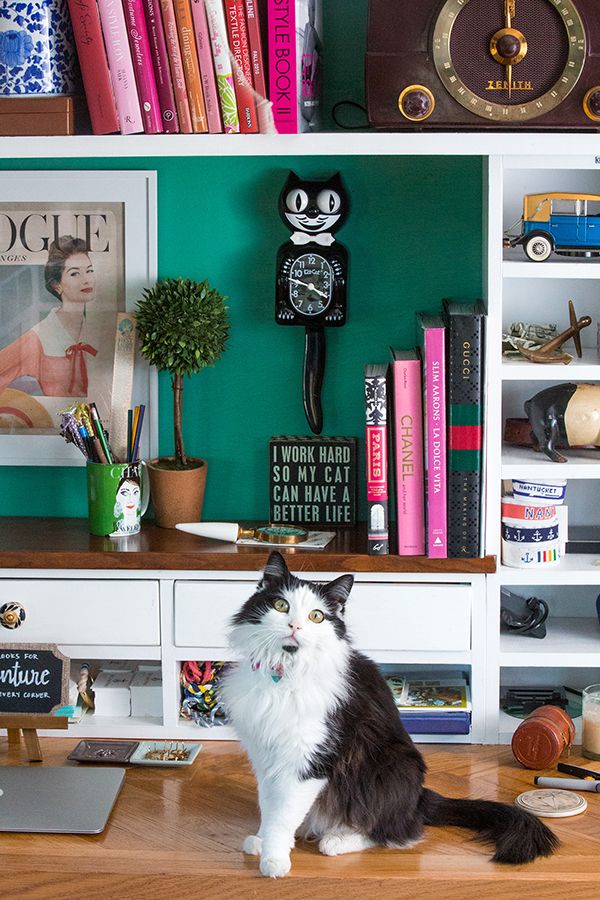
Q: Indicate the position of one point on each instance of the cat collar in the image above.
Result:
(276, 672)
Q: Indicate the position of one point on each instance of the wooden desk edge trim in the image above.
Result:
(247, 561)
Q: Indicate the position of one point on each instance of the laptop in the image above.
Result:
(58, 800)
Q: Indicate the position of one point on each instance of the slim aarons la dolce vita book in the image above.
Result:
(62, 285)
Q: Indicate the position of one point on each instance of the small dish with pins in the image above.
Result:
(165, 753)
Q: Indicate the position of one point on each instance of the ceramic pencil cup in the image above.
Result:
(118, 497)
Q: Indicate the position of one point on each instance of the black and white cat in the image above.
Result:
(332, 760)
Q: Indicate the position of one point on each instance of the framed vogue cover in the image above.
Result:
(76, 251)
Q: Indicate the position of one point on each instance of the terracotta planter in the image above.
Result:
(177, 494)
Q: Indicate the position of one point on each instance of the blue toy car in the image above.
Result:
(564, 223)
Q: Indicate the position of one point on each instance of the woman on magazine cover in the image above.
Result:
(54, 352)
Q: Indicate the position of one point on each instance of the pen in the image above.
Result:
(568, 784)
(138, 432)
(101, 435)
(578, 770)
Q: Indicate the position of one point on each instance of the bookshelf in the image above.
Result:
(358, 143)
(571, 652)
(519, 290)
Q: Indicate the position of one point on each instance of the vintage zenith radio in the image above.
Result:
(477, 64)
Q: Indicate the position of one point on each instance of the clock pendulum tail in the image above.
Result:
(312, 376)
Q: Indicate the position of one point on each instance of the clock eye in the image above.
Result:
(328, 201)
(281, 605)
(297, 200)
(316, 616)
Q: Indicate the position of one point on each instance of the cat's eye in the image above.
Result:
(328, 201)
(297, 200)
(281, 605)
(316, 615)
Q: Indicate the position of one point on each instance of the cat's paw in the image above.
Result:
(332, 845)
(275, 866)
(252, 845)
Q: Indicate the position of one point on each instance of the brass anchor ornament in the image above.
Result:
(550, 353)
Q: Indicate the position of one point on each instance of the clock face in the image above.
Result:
(311, 284)
(509, 60)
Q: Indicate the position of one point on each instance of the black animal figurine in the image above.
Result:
(566, 414)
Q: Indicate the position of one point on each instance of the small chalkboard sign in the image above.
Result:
(34, 679)
(312, 481)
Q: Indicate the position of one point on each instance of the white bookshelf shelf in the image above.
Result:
(568, 642)
(92, 726)
(327, 143)
(574, 568)
(523, 462)
(585, 369)
(552, 268)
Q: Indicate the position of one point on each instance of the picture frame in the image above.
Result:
(56, 353)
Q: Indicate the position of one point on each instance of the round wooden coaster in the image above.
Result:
(551, 803)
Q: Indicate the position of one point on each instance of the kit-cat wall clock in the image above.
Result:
(312, 269)
(484, 64)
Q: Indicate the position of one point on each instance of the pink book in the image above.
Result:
(142, 64)
(407, 426)
(94, 66)
(120, 64)
(256, 54)
(207, 69)
(176, 66)
(281, 30)
(219, 44)
(160, 61)
(432, 333)
(242, 70)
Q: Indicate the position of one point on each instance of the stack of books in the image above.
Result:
(424, 420)
(432, 704)
(198, 66)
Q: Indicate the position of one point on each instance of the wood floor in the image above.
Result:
(176, 834)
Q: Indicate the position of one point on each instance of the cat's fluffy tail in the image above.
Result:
(519, 837)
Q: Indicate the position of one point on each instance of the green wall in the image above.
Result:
(414, 236)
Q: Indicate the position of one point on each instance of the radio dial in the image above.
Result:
(591, 103)
(416, 102)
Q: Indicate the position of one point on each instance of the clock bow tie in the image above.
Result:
(301, 237)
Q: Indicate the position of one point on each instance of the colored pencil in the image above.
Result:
(138, 432)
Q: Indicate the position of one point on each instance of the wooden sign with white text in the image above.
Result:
(34, 679)
(312, 481)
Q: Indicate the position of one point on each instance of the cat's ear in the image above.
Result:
(338, 591)
(275, 568)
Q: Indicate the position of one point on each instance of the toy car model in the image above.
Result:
(564, 223)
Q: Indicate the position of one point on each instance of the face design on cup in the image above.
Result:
(128, 501)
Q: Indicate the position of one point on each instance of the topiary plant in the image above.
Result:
(183, 327)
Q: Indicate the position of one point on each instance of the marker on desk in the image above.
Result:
(568, 769)
(568, 784)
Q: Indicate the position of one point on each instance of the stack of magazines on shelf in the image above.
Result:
(424, 431)
(200, 66)
(431, 703)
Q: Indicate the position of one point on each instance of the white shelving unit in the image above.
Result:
(444, 628)
(516, 289)
(529, 145)
(520, 290)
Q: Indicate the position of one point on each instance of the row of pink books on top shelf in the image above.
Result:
(197, 66)
(424, 438)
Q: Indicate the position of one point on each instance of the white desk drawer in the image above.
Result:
(379, 616)
(65, 611)
(203, 610)
(410, 616)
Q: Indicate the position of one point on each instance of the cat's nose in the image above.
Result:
(295, 626)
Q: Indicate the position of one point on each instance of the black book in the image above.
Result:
(465, 333)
